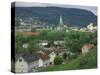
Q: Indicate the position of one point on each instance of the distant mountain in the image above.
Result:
(50, 15)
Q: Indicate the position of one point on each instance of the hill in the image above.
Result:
(50, 15)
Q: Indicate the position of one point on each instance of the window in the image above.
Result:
(20, 60)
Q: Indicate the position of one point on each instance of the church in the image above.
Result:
(61, 26)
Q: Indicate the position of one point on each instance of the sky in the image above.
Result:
(93, 9)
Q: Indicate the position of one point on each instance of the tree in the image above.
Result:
(65, 56)
(33, 46)
(58, 60)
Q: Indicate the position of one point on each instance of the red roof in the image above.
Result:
(89, 46)
(28, 33)
(42, 56)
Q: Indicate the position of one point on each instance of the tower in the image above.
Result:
(61, 26)
(61, 21)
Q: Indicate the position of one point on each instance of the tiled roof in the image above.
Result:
(88, 46)
(27, 57)
(42, 55)
(28, 33)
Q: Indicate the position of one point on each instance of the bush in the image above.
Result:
(71, 57)
(82, 62)
(65, 56)
(58, 60)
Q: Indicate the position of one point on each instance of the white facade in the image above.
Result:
(59, 42)
(21, 65)
(44, 44)
(40, 63)
(84, 50)
(52, 57)
(25, 45)
(87, 48)
(91, 28)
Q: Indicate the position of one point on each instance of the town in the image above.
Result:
(37, 25)
(39, 45)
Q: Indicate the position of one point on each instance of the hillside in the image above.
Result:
(82, 62)
(50, 15)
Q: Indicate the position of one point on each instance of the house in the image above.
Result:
(87, 48)
(43, 42)
(25, 62)
(43, 59)
(52, 56)
(21, 65)
(25, 45)
(83, 29)
(28, 62)
(91, 27)
(59, 42)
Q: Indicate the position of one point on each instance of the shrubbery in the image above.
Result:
(58, 60)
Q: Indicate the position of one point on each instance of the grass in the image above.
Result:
(81, 62)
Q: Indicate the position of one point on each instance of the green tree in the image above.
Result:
(58, 60)
(65, 56)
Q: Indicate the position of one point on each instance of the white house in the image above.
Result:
(28, 62)
(43, 42)
(25, 62)
(91, 28)
(25, 45)
(21, 65)
(40, 62)
(83, 29)
(52, 56)
(59, 42)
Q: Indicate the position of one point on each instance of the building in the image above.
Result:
(43, 59)
(87, 48)
(59, 42)
(52, 56)
(61, 26)
(25, 45)
(83, 29)
(25, 62)
(91, 27)
(43, 43)
(21, 65)
(30, 62)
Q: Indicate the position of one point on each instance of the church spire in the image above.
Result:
(61, 21)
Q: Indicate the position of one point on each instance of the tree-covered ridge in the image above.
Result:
(72, 16)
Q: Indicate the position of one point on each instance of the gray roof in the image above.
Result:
(27, 57)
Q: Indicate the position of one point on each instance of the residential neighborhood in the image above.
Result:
(54, 39)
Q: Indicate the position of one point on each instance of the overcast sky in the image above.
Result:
(30, 4)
